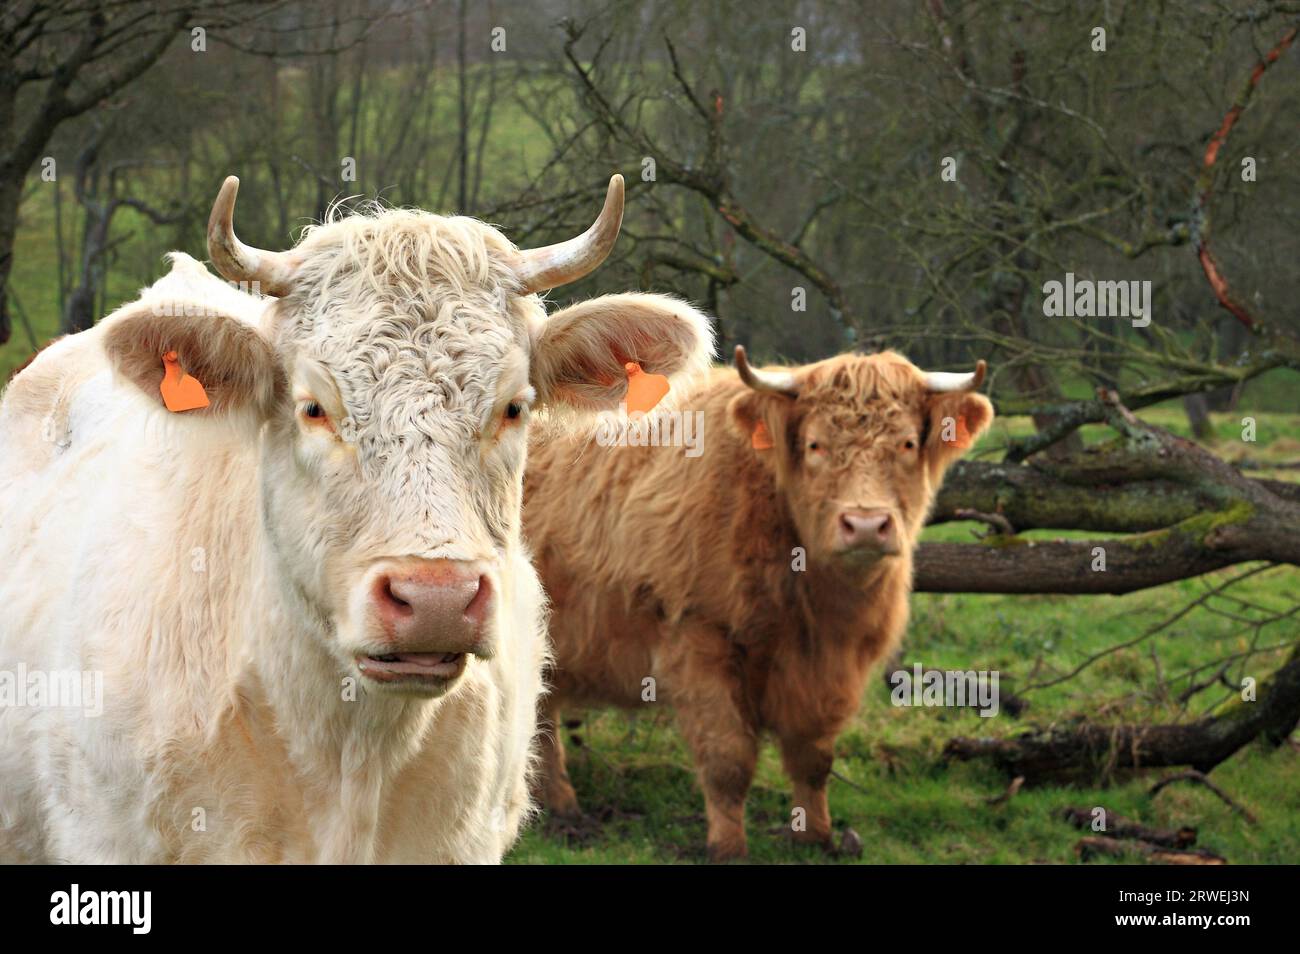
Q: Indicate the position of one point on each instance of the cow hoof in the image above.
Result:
(568, 808)
(725, 852)
(850, 845)
(561, 800)
(813, 839)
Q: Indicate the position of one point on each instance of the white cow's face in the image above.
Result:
(390, 387)
(393, 474)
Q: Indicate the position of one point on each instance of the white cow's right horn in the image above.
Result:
(272, 271)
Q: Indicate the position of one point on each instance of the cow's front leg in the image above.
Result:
(808, 763)
(706, 695)
(725, 751)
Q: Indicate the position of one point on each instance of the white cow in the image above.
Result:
(316, 629)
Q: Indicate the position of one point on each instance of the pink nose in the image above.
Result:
(874, 529)
(433, 605)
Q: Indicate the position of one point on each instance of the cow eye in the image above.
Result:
(313, 411)
(909, 444)
(513, 410)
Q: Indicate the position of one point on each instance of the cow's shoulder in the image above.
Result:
(73, 381)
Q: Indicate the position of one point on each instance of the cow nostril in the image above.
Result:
(866, 527)
(384, 593)
(477, 609)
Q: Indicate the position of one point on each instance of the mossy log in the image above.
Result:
(1089, 752)
(1189, 513)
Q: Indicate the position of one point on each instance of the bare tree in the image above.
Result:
(99, 188)
(59, 61)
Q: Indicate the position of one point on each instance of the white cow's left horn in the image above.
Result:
(947, 381)
(554, 265)
(272, 271)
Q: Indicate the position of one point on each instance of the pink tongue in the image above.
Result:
(425, 659)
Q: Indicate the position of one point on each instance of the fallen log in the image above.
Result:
(1094, 845)
(1092, 753)
(1190, 512)
(1119, 827)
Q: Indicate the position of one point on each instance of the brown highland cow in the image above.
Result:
(755, 582)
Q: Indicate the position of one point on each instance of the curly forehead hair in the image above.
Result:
(408, 251)
(857, 390)
(413, 313)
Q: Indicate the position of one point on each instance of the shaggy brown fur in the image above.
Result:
(683, 569)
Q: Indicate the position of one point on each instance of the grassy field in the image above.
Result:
(635, 780)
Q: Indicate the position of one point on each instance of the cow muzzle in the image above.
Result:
(428, 617)
(871, 532)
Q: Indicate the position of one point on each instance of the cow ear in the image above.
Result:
(762, 419)
(580, 356)
(956, 421)
(236, 367)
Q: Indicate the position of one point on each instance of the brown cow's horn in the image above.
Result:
(554, 265)
(947, 381)
(237, 262)
(775, 382)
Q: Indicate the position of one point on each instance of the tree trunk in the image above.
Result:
(1191, 513)
(462, 70)
(10, 196)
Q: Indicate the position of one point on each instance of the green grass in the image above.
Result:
(910, 807)
(634, 776)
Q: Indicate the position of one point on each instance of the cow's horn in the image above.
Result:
(272, 271)
(947, 381)
(554, 265)
(777, 382)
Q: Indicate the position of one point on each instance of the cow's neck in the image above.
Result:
(839, 603)
(341, 744)
(833, 605)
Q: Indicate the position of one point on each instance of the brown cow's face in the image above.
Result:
(857, 488)
(860, 452)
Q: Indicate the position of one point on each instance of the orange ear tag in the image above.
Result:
(761, 439)
(644, 391)
(963, 433)
(180, 392)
